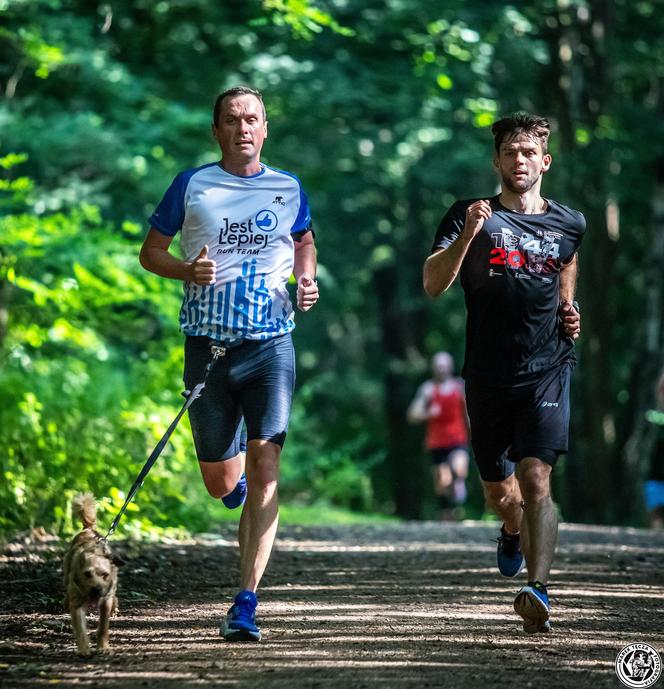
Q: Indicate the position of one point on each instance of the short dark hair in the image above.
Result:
(517, 123)
(232, 92)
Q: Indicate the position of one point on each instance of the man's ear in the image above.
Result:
(265, 128)
(496, 163)
(546, 161)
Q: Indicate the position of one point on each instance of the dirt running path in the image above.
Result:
(415, 605)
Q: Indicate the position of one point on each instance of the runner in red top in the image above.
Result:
(441, 403)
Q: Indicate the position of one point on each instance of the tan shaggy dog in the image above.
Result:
(91, 577)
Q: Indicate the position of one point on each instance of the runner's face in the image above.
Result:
(442, 366)
(241, 129)
(521, 163)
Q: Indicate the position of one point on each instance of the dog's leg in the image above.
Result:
(66, 566)
(105, 609)
(80, 628)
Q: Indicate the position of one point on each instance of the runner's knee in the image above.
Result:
(445, 476)
(262, 463)
(500, 492)
(220, 478)
(534, 482)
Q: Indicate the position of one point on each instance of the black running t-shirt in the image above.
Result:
(510, 277)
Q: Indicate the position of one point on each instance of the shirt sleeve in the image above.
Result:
(168, 217)
(303, 221)
(449, 228)
(579, 231)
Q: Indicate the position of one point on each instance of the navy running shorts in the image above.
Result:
(440, 455)
(254, 380)
(508, 424)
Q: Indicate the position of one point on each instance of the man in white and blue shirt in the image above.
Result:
(244, 229)
(249, 225)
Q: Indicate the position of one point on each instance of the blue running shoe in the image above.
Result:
(509, 555)
(238, 495)
(532, 604)
(240, 623)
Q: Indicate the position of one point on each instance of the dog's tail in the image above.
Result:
(84, 508)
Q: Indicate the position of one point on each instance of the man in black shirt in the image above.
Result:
(516, 253)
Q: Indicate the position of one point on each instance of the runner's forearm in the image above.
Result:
(305, 259)
(568, 275)
(163, 263)
(417, 412)
(441, 268)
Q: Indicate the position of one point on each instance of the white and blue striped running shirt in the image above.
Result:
(248, 224)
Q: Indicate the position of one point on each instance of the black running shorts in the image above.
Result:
(508, 424)
(441, 455)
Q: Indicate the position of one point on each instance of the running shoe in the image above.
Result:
(532, 604)
(238, 495)
(509, 555)
(240, 622)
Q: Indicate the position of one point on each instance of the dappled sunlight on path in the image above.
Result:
(360, 607)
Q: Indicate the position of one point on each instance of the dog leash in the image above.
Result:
(191, 395)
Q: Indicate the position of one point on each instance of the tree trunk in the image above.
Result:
(404, 457)
(648, 363)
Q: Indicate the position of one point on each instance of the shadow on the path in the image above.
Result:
(350, 608)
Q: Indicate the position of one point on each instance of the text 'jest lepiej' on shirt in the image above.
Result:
(511, 281)
(249, 225)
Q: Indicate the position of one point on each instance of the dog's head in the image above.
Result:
(95, 572)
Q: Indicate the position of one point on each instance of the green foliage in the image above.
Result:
(75, 373)
(320, 461)
(304, 19)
